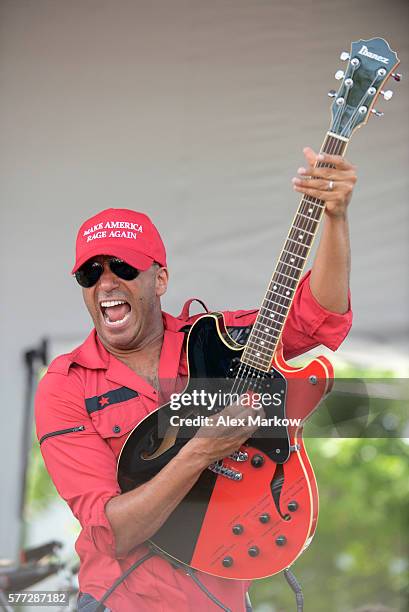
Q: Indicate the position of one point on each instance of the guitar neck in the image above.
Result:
(268, 327)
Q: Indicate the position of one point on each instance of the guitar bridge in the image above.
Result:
(218, 468)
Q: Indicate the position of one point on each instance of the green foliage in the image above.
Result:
(360, 553)
(40, 491)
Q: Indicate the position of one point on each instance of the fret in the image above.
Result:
(269, 318)
(255, 365)
(269, 300)
(303, 249)
(277, 304)
(280, 295)
(263, 343)
(264, 358)
(291, 253)
(311, 207)
(263, 328)
(256, 362)
(270, 321)
(309, 217)
(300, 237)
(304, 245)
(274, 289)
(319, 203)
(286, 275)
(258, 330)
(284, 263)
(275, 281)
(303, 229)
(258, 353)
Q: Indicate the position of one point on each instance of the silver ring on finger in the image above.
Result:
(330, 185)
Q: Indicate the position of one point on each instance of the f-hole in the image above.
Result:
(276, 486)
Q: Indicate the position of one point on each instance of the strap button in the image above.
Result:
(116, 429)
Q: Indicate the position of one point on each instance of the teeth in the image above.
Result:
(109, 322)
(112, 303)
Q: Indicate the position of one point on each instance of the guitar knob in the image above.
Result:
(339, 75)
(281, 540)
(397, 76)
(344, 56)
(292, 506)
(237, 529)
(257, 461)
(253, 551)
(264, 518)
(387, 95)
(227, 562)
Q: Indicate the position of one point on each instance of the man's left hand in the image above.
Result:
(333, 185)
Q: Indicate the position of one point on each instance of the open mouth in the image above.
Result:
(115, 312)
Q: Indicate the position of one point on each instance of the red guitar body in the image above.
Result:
(248, 528)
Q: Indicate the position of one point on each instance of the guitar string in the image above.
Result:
(246, 371)
(341, 108)
(243, 376)
(358, 106)
(283, 265)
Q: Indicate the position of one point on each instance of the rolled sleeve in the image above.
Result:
(100, 530)
(309, 324)
(81, 464)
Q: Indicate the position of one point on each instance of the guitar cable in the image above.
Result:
(101, 607)
(296, 587)
(288, 575)
(206, 591)
(190, 572)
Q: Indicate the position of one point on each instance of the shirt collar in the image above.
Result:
(93, 355)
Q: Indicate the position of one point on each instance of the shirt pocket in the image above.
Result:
(118, 419)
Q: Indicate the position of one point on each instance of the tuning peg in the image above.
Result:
(397, 76)
(387, 95)
(332, 93)
(339, 75)
(344, 56)
(377, 113)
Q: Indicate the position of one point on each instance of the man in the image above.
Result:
(92, 398)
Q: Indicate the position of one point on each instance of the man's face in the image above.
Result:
(126, 313)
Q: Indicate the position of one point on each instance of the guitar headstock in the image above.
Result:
(371, 63)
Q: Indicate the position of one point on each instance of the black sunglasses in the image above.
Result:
(91, 271)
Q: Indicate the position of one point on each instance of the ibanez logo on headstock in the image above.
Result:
(365, 51)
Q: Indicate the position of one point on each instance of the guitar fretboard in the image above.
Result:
(267, 329)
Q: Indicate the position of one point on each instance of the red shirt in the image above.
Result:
(98, 399)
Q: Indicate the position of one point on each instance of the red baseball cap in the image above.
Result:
(126, 234)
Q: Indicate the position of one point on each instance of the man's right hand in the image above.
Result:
(216, 441)
(135, 516)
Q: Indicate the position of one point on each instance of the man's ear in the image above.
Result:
(161, 281)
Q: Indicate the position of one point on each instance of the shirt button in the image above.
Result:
(116, 429)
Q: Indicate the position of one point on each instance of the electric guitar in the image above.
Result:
(253, 513)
